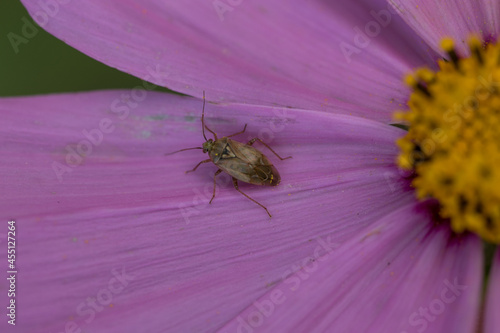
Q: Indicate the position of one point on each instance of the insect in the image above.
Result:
(241, 161)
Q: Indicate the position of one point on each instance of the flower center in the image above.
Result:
(453, 141)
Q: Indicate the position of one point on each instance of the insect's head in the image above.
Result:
(208, 145)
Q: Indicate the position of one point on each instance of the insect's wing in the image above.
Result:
(247, 164)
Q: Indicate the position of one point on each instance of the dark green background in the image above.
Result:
(47, 65)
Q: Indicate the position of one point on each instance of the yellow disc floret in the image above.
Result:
(453, 141)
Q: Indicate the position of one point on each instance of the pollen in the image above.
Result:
(453, 142)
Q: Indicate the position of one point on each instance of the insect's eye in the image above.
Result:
(207, 146)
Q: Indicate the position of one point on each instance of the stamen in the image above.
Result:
(452, 144)
(476, 49)
(448, 45)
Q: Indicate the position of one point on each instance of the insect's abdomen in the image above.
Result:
(267, 174)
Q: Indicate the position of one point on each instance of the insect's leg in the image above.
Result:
(251, 142)
(197, 165)
(213, 196)
(235, 183)
(241, 132)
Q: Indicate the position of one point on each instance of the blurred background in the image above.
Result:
(43, 64)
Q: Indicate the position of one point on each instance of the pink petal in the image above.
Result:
(262, 52)
(121, 210)
(492, 320)
(434, 20)
(402, 274)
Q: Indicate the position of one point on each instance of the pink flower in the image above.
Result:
(112, 236)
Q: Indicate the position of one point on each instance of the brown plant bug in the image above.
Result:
(241, 161)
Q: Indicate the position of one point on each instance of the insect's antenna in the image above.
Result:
(203, 117)
(183, 150)
(203, 121)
